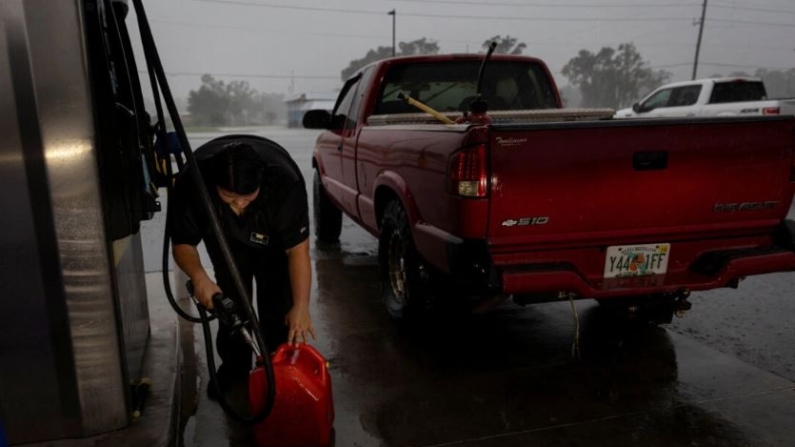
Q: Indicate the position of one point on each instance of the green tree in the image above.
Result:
(209, 103)
(237, 103)
(415, 47)
(505, 45)
(371, 56)
(612, 78)
(241, 102)
(419, 46)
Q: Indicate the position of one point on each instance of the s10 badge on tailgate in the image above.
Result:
(525, 221)
(636, 260)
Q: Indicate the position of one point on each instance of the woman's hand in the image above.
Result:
(187, 258)
(300, 324)
(204, 289)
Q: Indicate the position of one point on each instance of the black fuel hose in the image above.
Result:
(166, 245)
(162, 135)
(205, 320)
(153, 59)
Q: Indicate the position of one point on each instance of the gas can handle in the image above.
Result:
(320, 361)
(306, 351)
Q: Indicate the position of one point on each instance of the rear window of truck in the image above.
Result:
(737, 91)
(450, 86)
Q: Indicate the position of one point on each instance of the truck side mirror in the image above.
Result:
(636, 107)
(317, 119)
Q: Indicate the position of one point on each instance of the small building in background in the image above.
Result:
(300, 103)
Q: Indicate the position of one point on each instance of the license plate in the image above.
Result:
(624, 261)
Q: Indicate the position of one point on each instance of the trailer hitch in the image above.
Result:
(681, 304)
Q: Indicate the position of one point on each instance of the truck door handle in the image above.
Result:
(650, 161)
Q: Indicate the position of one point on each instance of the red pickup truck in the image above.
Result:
(545, 203)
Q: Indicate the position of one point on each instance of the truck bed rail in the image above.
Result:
(499, 116)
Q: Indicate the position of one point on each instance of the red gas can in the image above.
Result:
(303, 410)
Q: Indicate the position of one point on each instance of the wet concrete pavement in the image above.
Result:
(723, 376)
(508, 377)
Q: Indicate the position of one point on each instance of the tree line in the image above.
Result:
(216, 103)
(607, 78)
(610, 77)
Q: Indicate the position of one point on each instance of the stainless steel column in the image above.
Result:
(61, 366)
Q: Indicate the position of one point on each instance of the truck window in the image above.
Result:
(684, 96)
(450, 86)
(737, 91)
(343, 107)
(358, 97)
(659, 99)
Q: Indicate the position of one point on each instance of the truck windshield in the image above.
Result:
(450, 86)
(737, 91)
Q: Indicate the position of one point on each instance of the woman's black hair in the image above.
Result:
(237, 168)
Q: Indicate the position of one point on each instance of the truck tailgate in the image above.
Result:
(602, 184)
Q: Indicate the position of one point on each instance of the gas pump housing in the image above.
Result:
(74, 160)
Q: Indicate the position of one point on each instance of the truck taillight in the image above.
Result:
(771, 111)
(468, 172)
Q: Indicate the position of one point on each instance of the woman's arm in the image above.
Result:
(187, 258)
(298, 319)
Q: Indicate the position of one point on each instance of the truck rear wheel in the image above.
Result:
(405, 278)
(328, 218)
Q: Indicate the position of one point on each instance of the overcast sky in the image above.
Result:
(280, 46)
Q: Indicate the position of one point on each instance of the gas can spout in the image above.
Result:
(479, 108)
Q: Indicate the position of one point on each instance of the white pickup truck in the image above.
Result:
(709, 97)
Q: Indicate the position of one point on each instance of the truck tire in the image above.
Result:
(328, 218)
(404, 275)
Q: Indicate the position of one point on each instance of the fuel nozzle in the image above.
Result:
(224, 308)
(226, 311)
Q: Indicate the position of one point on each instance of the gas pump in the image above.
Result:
(75, 325)
(79, 170)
